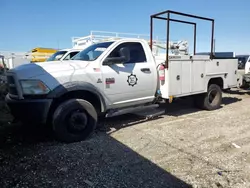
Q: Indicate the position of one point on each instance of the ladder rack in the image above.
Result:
(178, 47)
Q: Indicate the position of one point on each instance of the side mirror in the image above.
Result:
(124, 57)
(109, 61)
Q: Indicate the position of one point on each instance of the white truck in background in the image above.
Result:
(243, 63)
(63, 55)
(244, 69)
(115, 77)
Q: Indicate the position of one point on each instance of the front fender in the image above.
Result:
(77, 86)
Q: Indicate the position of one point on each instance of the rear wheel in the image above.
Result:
(74, 120)
(210, 100)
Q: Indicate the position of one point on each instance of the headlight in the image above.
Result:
(34, 87)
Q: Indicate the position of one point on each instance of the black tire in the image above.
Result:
(74, 120)
(210, 100)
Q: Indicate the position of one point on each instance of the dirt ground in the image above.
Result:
(185, 147)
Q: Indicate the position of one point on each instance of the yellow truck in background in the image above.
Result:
(41, 54)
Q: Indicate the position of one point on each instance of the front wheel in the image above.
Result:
(210, 100)
(74, 120)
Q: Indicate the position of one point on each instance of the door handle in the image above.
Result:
(145, 70)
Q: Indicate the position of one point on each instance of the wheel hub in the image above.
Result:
(78, 121)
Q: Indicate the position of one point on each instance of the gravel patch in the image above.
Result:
(185, 147)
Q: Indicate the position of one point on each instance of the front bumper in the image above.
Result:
(29, 110)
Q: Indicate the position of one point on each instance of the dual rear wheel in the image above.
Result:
(210, 100)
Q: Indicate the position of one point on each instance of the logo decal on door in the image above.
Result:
(132, 80)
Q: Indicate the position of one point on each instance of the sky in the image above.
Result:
(26, 24)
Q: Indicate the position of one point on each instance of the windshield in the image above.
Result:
(56, 56)
(92, 52)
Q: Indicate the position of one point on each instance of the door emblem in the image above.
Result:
(132, 80)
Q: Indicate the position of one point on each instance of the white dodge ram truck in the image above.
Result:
(112, 78)
(107, 78)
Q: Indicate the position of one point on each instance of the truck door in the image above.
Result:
(131, 82)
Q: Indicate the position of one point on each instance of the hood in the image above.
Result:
(35, 69)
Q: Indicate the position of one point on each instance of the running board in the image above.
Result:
(156, 112)
(130, 110)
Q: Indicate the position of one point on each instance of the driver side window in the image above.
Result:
(137, 54)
